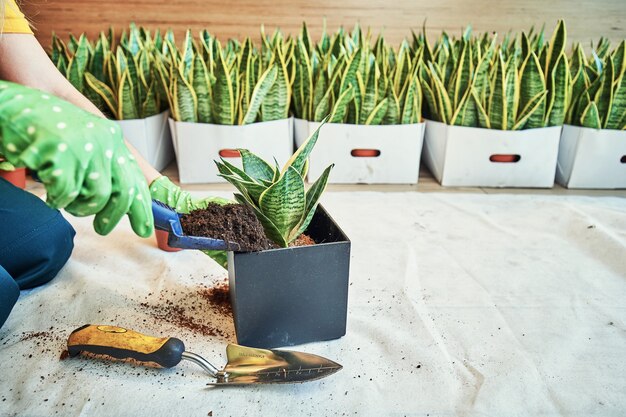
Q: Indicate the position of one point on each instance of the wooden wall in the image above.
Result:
(585, 19)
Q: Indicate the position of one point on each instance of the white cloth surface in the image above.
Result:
(459, 305)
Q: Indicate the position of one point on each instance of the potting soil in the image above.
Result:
(232, 223)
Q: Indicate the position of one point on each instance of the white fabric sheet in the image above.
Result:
(459, 305)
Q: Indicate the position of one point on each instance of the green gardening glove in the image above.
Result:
(165, 191)
(80, 158)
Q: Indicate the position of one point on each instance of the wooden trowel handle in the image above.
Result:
(122, 343)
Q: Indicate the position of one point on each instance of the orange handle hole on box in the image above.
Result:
(230, 153)
(365, 153)
(504, 158)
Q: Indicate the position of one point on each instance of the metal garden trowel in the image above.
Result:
(245, 365)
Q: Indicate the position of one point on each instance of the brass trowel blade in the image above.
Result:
(262, 366)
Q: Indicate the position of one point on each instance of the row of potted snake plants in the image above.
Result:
(492, 108)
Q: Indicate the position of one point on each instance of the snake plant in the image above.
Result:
(516, 85)
(355, 80)
(234, 84)
(278, 197)
(599, 88)
(120, 81)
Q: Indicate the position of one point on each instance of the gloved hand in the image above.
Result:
(80, 158)
(165, 191)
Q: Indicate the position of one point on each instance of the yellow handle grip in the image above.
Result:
(122, 343)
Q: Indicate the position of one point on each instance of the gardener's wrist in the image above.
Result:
(148, 171)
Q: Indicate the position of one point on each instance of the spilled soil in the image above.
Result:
(190, 310)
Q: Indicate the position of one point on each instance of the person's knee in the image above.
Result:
(35, 240)
(47, 249)
(8, 295)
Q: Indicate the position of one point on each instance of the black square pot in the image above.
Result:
(289, 296)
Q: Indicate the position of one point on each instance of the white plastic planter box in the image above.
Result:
(591, 158)
(300, 130)
(383, 154)
(197, 145)
(469, 156)
(151, 137)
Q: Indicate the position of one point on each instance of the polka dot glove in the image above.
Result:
(165, 191)
(80, 158)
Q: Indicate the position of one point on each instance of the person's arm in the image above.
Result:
(23, 61)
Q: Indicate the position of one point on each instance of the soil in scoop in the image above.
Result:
(232, 223)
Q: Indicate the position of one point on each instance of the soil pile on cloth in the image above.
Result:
(202, 311)
(44, 341)
(219, 298)
(231, 223)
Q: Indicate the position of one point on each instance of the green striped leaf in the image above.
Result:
(559, 80)
(134, 44)
(299, 159)
(59, 50)
(408, 108)
(498, 100)
(619, 59)
(251, 189)
(184, 99)
(369, 97)
(303, 82)
(468, 114)
(461, 78)
(511, 92)
(591, 117)
(105, 92)
(256, 167)
(529, 114)
(618, 107)
(312, 198)
(579, 60)
(378, 114)
(261, 90)
(187, 58)
(150, 107)
(532, 85)
(78, 64)
(126, 107)
(578, 85)
(481, 114)
(341, 106)
(121, 62)
(244, 57)
(72, 44)
(201, 86)
(319, 93)
(444, 107)
(323, 108)
(97, 63)
(556, 48)
(223, 92)
(271, 231)
(276, 103)
(431, 110)
(604, 97)
(349, 74)
(284, 202)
